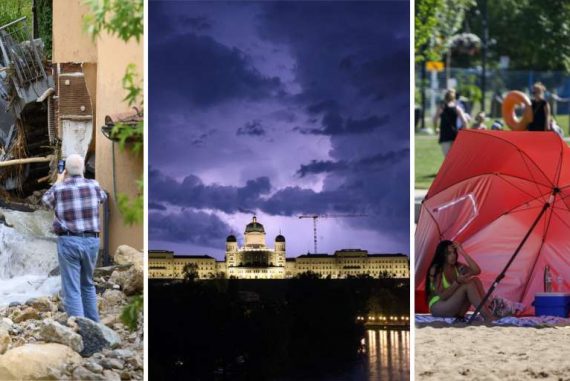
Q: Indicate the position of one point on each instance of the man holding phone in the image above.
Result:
(76, 203)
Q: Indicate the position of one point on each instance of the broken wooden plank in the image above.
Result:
(27, 160)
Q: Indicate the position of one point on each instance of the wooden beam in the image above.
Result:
(28, 160)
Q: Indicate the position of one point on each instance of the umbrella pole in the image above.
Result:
(502, 274)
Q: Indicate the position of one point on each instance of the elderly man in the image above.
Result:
(76, 202)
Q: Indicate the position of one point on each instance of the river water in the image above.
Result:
(385, 357)
(28, 252)
(388, 354)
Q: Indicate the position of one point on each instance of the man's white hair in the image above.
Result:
(75, 165)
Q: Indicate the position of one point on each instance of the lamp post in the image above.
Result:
(484, 51)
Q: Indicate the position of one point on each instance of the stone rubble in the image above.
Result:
(39, 341)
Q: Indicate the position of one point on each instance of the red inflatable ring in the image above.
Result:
(512, 100)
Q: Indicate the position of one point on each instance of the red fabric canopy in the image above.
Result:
(490, 189)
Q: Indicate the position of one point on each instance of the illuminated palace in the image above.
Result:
(255, 260)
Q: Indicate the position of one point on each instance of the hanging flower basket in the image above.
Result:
(116, 124)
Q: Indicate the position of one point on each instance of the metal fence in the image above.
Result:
(467, 83)
(22, 58)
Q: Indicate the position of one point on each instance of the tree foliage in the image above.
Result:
(436, 22)
(14, 9)
(535, 35)
(425, 24)
(123, 18)
(190, 272)
(44, 17)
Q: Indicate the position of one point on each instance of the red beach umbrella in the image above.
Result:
(506, 197)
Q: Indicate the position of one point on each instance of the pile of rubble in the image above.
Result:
(39, 341)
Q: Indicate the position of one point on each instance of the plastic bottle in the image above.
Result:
(547, 279)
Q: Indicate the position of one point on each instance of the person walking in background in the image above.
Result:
(448, 113)
(540, 110)
(76, 203)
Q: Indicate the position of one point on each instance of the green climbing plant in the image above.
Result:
(131, 312)
(123, 18)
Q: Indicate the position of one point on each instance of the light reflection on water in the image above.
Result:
(388, 354)
(385, 357)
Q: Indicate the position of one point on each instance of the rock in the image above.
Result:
(41, 304)
(121, 353)
(117, 278)
(126, 254)
(14, 304)
(110, 320)
(28, 314)
(93, 367)
(36, 361)
(136, 362)
(111, 376)
(108, 270)
(134, 281)
(54, 272)
(53, 332)
(96, 336)
(5, 340)
(6, 324)
(110, 363)
(130, 281)
(112, 301)
(82, 373)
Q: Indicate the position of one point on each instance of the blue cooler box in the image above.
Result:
(552, 304)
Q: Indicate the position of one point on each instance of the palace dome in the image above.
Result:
(254, 226)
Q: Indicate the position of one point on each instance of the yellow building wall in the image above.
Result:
(107, 59)
(70, 42)
(125, 168)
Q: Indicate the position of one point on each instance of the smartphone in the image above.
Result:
(60, 166)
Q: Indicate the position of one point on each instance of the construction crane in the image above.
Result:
(315, 217)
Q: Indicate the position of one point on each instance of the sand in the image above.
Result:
(492, 353)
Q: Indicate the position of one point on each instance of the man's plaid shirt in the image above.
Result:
(76, 202)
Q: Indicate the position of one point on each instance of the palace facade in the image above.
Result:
(255, 260)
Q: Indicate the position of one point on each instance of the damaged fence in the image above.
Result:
(28, 149)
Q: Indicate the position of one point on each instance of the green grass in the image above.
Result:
(428, 155)
(428, 159)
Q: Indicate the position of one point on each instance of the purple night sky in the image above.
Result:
(279, 109)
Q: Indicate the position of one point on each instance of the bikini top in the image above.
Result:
(435, 298)
(444, 281)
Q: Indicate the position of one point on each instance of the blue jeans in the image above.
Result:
(77, 260)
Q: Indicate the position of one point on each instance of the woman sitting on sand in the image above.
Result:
(452, 287)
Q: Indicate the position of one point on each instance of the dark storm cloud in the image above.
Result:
(197, 69)
(156, 206)
(355, 196)
(327, 105)
(320, 166)
(188, 226)
(366, 165)
(353, 59)
(253, 128)
(334, 124)
(192, 192)
(199, 23)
